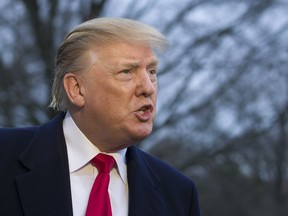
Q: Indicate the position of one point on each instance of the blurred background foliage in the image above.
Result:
(223, 98)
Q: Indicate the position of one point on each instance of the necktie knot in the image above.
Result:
(104, 163)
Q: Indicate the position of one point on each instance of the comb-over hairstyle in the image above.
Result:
(73, 54)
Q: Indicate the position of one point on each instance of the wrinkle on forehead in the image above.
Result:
(136, 64)
(122, 55)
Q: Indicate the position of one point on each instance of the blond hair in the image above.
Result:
(93, 34)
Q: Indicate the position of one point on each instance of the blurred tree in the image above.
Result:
(32, 31)
(223, 102)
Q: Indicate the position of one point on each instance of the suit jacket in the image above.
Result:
(35, 178)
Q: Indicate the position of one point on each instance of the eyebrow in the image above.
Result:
(154, 62)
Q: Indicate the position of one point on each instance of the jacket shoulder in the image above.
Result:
(163, 169)
(172, 184)
(15, 138)
(13, 141)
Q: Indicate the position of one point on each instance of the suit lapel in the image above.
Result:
(45, 188)
(144, 197)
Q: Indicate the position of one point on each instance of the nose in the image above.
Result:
(145, 86)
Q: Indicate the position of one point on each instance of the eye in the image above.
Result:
(126, 71)
(152, 72)
(125, 74)
(153, 75)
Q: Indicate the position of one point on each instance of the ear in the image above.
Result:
(73, 88)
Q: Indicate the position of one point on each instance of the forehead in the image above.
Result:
(123, 52)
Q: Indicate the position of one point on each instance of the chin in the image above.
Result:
(141, 134)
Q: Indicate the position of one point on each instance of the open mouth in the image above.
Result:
(145, 113)
(145, 109)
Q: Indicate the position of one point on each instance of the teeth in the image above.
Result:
(144, 109)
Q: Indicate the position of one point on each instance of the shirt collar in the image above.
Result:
(80, 149)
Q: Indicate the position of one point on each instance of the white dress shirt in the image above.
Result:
(82, 173)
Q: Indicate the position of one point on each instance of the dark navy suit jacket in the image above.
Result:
(34, 177)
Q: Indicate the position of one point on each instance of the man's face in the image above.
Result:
(120, 92)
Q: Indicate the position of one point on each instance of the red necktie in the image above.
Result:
(99, 201)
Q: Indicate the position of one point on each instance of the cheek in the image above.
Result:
(112, 105)
(99, 93)
(97, 101)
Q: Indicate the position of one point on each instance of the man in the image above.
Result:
(106, 86)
